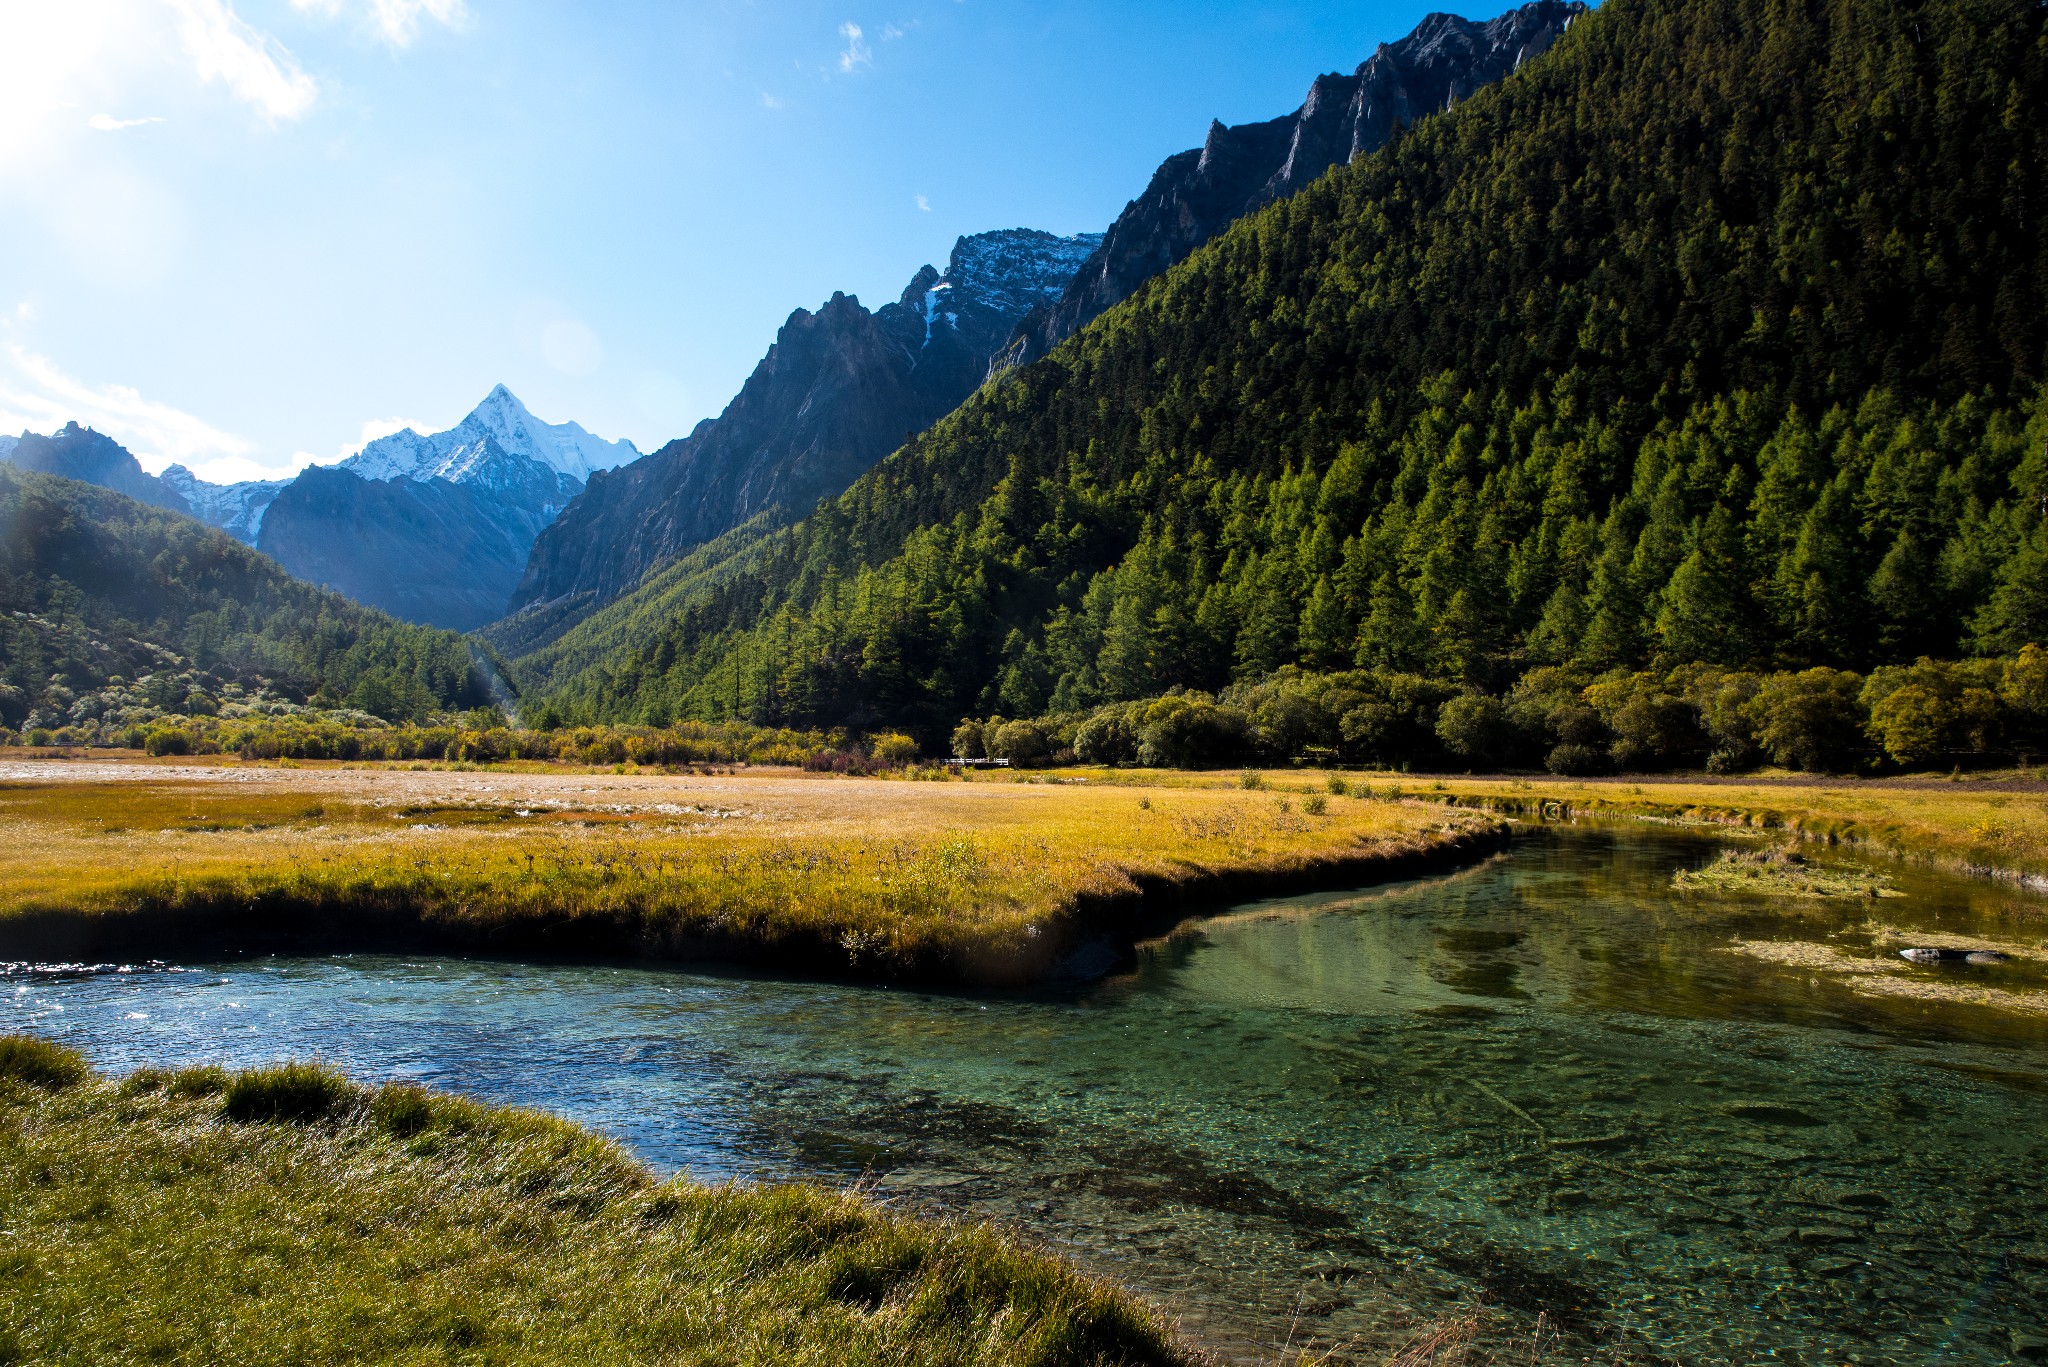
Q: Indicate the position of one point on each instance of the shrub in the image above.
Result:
(1189, 731)
(298, 1093)
(1107, 737)
(1019, 742)
(1912, 724)
(969, 741)
(1251, 780)
(894, 748)
(40, 1063)
(1575, 761)
(1811, 720)
(167, 740)
(1473, 726)
(1315, 804)
(1336, 785)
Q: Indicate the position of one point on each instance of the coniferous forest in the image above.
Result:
(110, 607)
(1707, 347)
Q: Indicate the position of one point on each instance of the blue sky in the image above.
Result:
(249, 233)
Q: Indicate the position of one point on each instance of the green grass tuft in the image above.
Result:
(40, 1063)
(412, 1227)
(294, 1093)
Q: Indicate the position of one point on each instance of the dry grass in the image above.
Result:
(1972, 825)
(1986, 824)
(970, 879)
(145, 1223)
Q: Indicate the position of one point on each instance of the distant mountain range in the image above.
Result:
(433, 529)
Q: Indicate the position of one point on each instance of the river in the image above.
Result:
(1545, 1084)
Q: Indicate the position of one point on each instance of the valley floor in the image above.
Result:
(985, 881)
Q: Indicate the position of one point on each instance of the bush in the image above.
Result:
(1812, 720)
(1019, 742)
(297, 1093)
(895, 749)
(167, 740)
(970, 741)
(1188, 731)
(39, 1063)
(1575, 761)
(1251, 780)
(1474, 727)
(1107, 737)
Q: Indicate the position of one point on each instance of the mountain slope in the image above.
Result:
(838, 390)
(1711, 335)
(435, 528)
(430, 551)
(97, 589)
(1197, 194)
(80, 453)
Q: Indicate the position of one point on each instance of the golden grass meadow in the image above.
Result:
(987, 881)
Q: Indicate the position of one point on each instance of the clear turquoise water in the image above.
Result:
(1543, 1083)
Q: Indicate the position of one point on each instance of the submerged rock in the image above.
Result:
(1922, 954)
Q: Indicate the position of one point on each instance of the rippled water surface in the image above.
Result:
(1544, 1083)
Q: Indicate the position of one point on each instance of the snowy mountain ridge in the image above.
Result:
(470, 452)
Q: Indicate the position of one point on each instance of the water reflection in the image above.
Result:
(1543, 1081)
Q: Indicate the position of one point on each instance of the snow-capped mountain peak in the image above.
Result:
(500, 425)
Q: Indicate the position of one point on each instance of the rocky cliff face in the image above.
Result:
(1197, 194)
(93, 458)
(838, 390)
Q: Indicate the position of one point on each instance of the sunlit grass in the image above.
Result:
(974, 878)
(289, 1216)
(1984, 823)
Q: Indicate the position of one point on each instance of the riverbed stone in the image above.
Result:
(2030, 1345)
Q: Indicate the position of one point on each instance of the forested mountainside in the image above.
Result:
(109, 605)
(1714, 334)
(1200, 192)
(838, 390)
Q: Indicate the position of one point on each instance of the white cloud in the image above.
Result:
(397, 22)
(374, 428)
(255, 66)
(891, 32)
(107, 123)
(858, 54)
(923, 203)
(770, 102)
(36, 396)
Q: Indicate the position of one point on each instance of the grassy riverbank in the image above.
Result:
(287, 1216)
(971, 881)
(1982, 826)
(1987, 824)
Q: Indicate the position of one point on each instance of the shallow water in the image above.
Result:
(1543, 1083)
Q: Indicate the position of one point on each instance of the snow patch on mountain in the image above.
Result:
(236, 509)
(472, 450)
